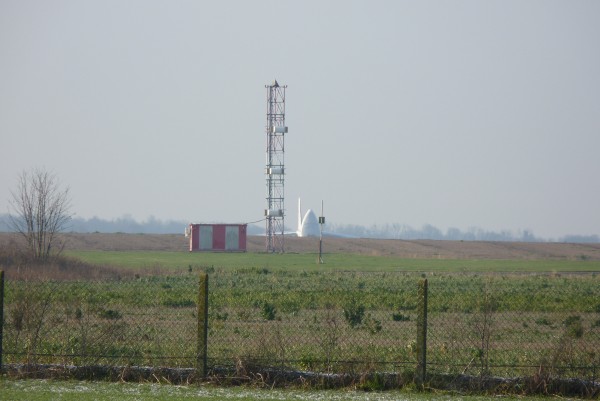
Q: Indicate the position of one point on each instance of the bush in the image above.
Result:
(268, 311)
(354, 313)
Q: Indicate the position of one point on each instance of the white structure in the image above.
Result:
(309, 225)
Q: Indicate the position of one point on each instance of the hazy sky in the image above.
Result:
(450, 113)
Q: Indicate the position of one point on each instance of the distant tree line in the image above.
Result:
(127, 224)
(124, 224)
(406, 232)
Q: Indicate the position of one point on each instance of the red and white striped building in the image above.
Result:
(217, 237)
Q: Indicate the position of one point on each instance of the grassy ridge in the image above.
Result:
(181, 260)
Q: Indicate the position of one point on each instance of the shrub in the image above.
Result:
(268, 311)
(354, 313)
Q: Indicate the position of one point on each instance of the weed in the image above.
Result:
(574, 326)
(309, 361)
(178, 303)
(375, 382)
(331, 337)
(543, 321)
(483, 324)
(221, 316)
(110, 314)
(372, 325)
(208, 269)
(399, 317)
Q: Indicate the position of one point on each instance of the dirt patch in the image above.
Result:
(432, 249)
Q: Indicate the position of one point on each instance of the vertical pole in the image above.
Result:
(321, 222)
(421, 334)
(1, 313)
(202, 344)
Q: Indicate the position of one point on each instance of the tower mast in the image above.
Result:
(275, 167)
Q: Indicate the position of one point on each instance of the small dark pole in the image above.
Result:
(1, 313)
(321, 222)
(421, 334)
(202, 325)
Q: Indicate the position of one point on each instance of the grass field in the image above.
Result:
(312, 319)
(355, 313)
(184, 260)
(43, 390)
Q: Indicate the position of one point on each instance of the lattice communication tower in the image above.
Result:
(275, 167)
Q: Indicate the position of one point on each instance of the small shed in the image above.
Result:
(217, 237)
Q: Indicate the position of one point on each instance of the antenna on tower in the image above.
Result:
(275, 167)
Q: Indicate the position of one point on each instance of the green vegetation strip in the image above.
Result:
(42, 390)
(186, 260)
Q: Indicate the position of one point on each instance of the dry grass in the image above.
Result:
(414, 249)
(434, 249)
(19, 266)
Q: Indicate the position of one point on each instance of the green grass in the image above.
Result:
(269, 314)
(272, 308)
(183, 260)
(45, 390)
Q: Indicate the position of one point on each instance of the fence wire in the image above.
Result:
(516, 326)
(146, 322)
(328, 322)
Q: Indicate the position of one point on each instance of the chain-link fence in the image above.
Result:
(115, 323)
(325, 322)
(516, 326)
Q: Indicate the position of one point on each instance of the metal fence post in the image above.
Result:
(421, 334)
(202, 346)
(1, 313)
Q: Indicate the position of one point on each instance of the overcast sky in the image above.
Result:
(451, 113)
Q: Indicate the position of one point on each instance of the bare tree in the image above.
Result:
(40, 209)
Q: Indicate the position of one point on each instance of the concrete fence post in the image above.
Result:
(1, 313)
(202, 344)
(421, 334)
